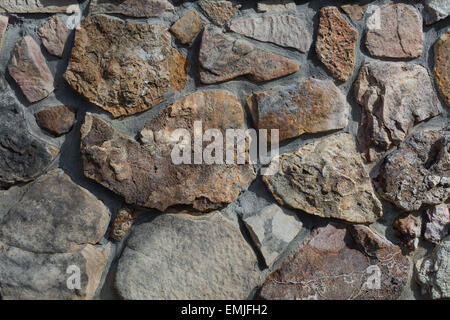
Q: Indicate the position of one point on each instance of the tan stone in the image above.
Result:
(442, 66)
(355, 11)
(122, 223)
(56, 119)
(187, 27)
(3, 27)
(219, 12)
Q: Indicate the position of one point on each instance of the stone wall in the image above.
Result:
(92, 91)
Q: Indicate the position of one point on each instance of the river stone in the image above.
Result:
(285, 31)
(395, 96)
(57, 120)
(272, 229)
(309, 107)
(54, 35)
(145, 174)
(224, 58)
(3, 27)
(434, 272)
(275, 6)
(418, 172)
(219, 12)
(394, 30)
(435, 10)
(178, 256)
(56, 224)
(326, 178)
(23, 157)
(442, 66)
(38, 6)
(123, 67)
(355, 11)
(131, 8)
(340, 263)
(187, 27)
(438, 225)
(29, 69)
(336, 43)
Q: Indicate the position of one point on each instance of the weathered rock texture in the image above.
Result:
(285, 30)
(37, 6)
(418, 172)
(132, 8)
(435, 10)
(276, 6)
(145, 175)
(22, 156)
(55, 225)
(309, 107)
(438, 225)
(355, 11)
(219, 12)
(122, 67)
(338, 262)
(272, 229)
(182, 257)
(395, 96)
(434, 272)
(122, 223)
(187, 27)
(54, 35)
(57, 120)
(224, 58)
(442, 66)
(3, 27)
(336, 43)
(30, 70)
(326, 178)
(394, 30)
(408, 228)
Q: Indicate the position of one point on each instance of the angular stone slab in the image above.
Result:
(28, 67)
(145, 175)
(132, 8)
(123, 67)
(442, 66)
(219, 12)
(309, 107)
(54, 35)
(435, 10)
(184, 257)
(326, 178)
(55, 225)
(187, 27)
(395, 97)
(394, 30)
(3, 27)
(38, 6)
(224, 58)
(340, 263)
(336, 43)
(417, 173)
(285, 30)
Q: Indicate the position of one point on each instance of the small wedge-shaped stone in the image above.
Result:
(340, 263)
(326, 178)
(418, 172)
(309, 107)
(146, 175)
(336, 43)
(286, 31)
(224, 58)
(54, 35)
(442, 66)
(187, 27)
(123, 67)
(55, 225)
(184, 257)
(132, 8)
(3, 27)
(395, 97)
(38, 6)
(435, 10)
(30, 70)
(219, 12)
(394, 30)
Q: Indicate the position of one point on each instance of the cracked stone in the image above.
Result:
(338, 262)
(336, 43)
(355, 11)
(435, 10)
(442, 66)
(123, 67)
(145, 174)
(219, 12)
(54, 35)
(131, 8)
(28, 67)
(187, 27)
(326, 178)
(57, 120)
(276, 6)
(395, 31)
(418, 172)
(179, 257)
(395, 97)
(56, 224)
(3, 27)
(309, 107)
(224, 58)
(285, 31)
(438, 225)
(39, 6)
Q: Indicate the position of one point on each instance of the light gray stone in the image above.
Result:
(435, 10)
(438, 225)
(276, 6)
(3, 27)
(38, 6)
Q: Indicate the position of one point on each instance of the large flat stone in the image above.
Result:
(123, 67)
(183, 257)
(442, 66)
(132, 8)
(54, 35)
(38, 6)
(326, 178)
